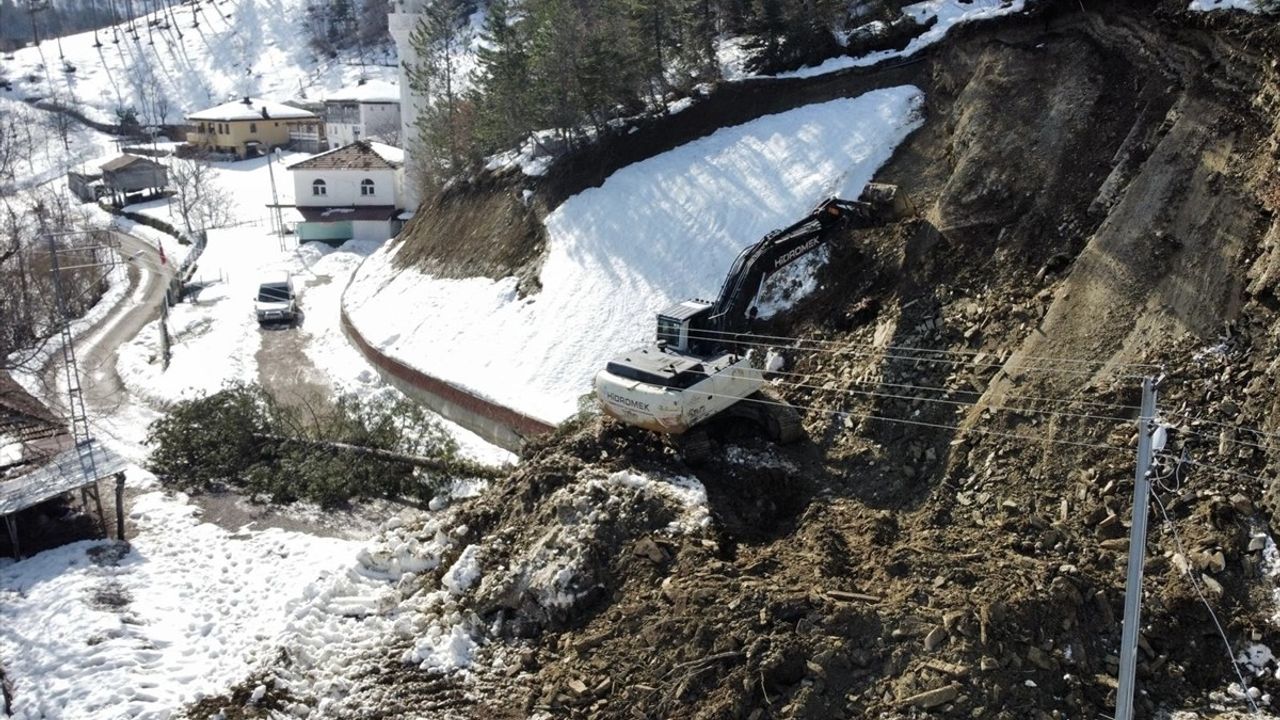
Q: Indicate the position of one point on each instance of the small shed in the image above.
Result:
(40, 461)
(131, 173)
(85, 185)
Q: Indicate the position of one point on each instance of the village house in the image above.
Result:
(250, 127)
(369, 111)
(352, 192)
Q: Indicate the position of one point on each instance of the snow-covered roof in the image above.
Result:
(125, 161)
(252, 109)
(359, 155)
(372, 91)
(390, 153)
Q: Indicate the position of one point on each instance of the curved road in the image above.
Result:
(96, 347)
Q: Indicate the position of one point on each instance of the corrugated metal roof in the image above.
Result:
(60, 475)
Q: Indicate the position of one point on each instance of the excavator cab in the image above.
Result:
(683, 327)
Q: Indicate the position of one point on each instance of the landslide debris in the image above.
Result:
(1098, 186)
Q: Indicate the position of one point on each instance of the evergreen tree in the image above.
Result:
(444, 125)
(502, 95)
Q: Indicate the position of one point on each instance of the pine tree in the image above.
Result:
(444, 125)
(502, 95)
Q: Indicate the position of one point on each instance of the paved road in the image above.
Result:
(96, 348)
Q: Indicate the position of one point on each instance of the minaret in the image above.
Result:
(405, 15)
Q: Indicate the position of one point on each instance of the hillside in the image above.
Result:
(1097, 202)
(198, 55)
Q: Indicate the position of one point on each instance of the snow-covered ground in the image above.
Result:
(658, 231)
(87, 635)
(241, 47)
(41, 155)
(1208, 5)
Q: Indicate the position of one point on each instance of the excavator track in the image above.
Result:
(781, 421)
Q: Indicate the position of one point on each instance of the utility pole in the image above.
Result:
(75, 396)
(276, 222)
(1137, 554)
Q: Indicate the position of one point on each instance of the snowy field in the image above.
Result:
(241, 47)
(41, 155)
(657, 231)
(87, 634)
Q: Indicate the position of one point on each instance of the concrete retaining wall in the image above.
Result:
(496, 423)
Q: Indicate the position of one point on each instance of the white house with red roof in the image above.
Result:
(355, 192)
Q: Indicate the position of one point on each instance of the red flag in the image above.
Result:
(163, 259)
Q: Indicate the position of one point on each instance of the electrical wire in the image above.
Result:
(916, 423)
(1195, 584)
(1214, 468)
(957, 403)
(1192, 418)
(873, 351)
(729, 337)
(978, 393)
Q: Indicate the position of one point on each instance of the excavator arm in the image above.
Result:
(782, 247)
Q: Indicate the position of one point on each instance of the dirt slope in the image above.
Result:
(1097, 185)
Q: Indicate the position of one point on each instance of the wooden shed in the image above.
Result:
(131, 173)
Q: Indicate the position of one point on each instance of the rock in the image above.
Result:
(577, 687)
(934, 639)
(946, 668)
(987, 664)
(1211, 585)
(1115, 545)
(934, 698)
(647, 548)
(1039, 658)
(1242, 504)
(1257, 543)
(1180, 561)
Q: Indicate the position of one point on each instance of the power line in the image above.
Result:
(957, 403)
(917, 423)
(1195, 584)
(978, 393)
(1259, 433)
(732, 337)
(873, 351)
(1214, 468)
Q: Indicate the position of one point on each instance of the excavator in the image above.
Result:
(703, 362)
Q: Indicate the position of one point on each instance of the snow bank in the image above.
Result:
(947, 13)
(1210, 5)
(170, 621)
(657, 231)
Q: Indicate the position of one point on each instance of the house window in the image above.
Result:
(318, 188)
(367, 188)
(253, 127)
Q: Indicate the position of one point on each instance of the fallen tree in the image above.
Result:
(328, 451)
